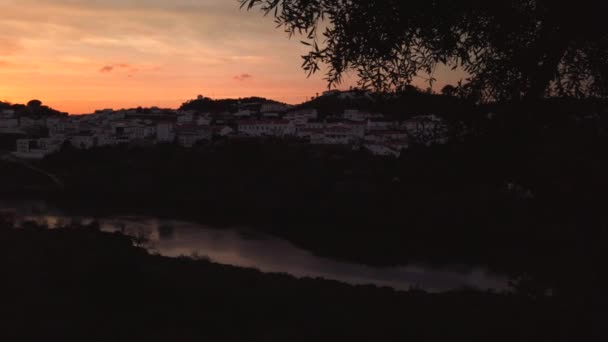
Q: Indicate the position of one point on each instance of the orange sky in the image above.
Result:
(82, 55)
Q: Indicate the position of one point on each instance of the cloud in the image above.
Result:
(109, 68)
(106, 69)
(243, 77)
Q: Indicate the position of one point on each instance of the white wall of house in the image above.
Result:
(9, 123)
(267, 128)
(355, 115)
(164, 132)
(84, 142)
(23, 145)
(203, 121)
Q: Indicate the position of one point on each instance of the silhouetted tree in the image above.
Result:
(34, 104)
(449, 90)
(513, 49)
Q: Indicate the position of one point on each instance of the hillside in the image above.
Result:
(397, 106)
(33, 109)
(208, 105)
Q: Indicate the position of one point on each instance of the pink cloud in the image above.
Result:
(243, 77)
(106, 69)
(110, 68)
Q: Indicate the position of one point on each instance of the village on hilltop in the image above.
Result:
(354, 128)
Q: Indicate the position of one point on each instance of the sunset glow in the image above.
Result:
(81, 55)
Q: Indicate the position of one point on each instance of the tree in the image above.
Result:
(35, 104)
(449, 90)
(512, 49)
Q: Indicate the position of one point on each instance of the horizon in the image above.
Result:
(78, 56)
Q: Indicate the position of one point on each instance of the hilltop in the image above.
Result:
(216, 106)
(396, 106)
(33, 109)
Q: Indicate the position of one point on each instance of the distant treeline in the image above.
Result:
(33, 109)
(208, 105)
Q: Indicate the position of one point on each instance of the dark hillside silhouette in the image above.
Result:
(208, 105)
(34, 109)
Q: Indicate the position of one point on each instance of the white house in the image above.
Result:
(302, 115)
(27, 123)
(83, 141)
(9, 124)
(117, 115)
(356, 115)
(149, 131)
(225, 131)
(106, 140)
(50, 144)
(185, 117)
(165, 132)
(267, 127)
(53, 121)
(302, 132)
(244, 113)
(137, 132)
(204, 120)
(338, 136)
(385, 135)
(313, 125)
(24, 145)
(357, 128)
(189, 134)
(7, 113)
(28, 149)
(273, 107)
(379, 124)
(271, 115)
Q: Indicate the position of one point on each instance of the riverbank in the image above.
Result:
(520, 209)
(84, 284)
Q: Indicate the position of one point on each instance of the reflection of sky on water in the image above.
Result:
(244, 248)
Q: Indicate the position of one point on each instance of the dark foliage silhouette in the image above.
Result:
(34, 108)
(512, 49)
(209, 105)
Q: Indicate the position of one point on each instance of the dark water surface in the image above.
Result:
(244, 247)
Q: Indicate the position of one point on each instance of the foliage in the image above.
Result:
(511, 49)
(34, 109)
(213, 106)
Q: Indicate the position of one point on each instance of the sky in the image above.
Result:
(81, 55)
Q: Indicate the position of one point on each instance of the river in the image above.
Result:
(244, 247)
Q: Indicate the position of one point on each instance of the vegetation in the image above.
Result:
(512, 50)
(208, 105)
(509, 198)
(33, 109)
(396, 106)
(79, 283)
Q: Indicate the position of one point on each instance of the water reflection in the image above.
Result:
(246, 248)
